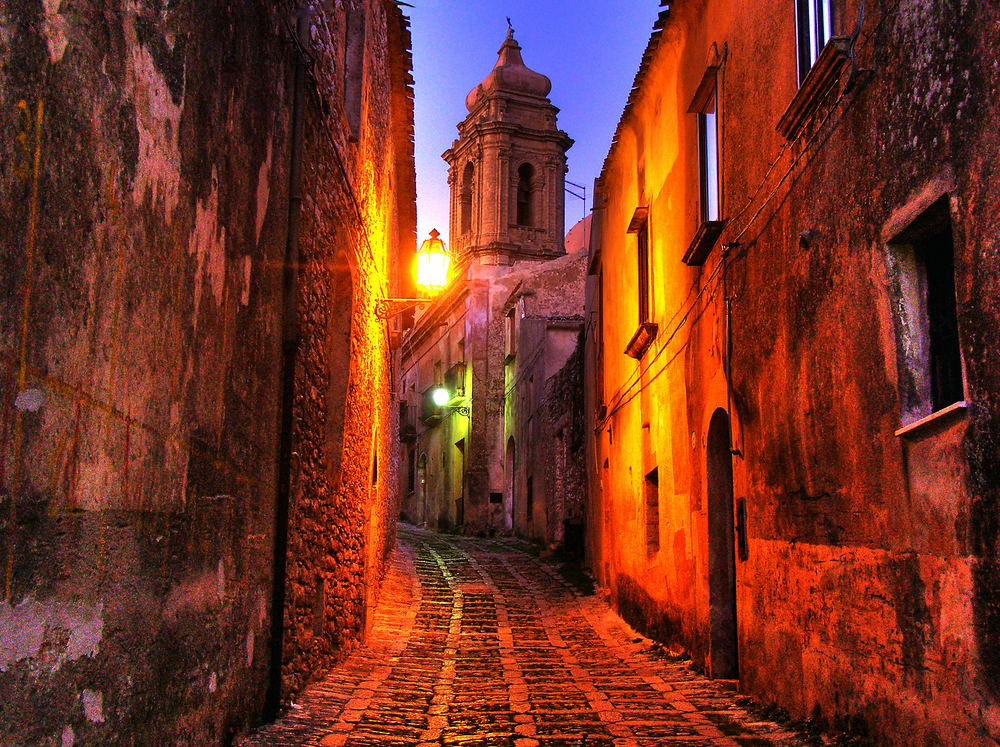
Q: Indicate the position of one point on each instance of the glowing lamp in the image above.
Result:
(432, 264)
(432, 275)
(440, 396)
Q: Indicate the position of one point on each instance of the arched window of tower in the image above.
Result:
(525, 196)
(466, 208)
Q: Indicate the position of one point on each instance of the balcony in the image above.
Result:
(454, 380)
(407, 422)
(430, 413)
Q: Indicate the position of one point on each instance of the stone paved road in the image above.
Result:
(478, 643)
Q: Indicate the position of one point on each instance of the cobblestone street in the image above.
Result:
(476, 642)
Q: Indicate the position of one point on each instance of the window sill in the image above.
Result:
(641, 340)
(703, 241)
(941, 417)
(823, 74)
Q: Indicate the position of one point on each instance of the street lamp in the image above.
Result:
(433, 261)
(442, 399)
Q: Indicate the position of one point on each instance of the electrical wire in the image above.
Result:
(625, 393)
(431, 346)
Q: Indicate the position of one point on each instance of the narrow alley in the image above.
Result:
(328, 327)
(478, 642)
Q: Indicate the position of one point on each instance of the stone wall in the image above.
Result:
(144, 188)
(866, 591)
(565, 425)
(358, 232)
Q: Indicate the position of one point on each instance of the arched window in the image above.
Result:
(525, 196)
(466, 198)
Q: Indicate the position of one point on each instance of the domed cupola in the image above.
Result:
(510, 75)
(507, 169)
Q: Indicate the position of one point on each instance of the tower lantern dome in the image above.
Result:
(507, 168)
(510, 75)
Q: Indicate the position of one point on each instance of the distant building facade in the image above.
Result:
(511, 273)
(792, 373)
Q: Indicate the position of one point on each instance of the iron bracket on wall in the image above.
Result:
(387, 308)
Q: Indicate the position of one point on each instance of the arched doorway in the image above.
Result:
(723, 652)
(508, 485)
(422, 488)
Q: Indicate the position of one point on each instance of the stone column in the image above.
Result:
(452, 213)
(477, 198)
(503, 194)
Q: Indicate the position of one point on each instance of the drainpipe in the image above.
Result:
(289, 348)
(729, 346)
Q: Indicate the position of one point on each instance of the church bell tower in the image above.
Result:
(507, 169)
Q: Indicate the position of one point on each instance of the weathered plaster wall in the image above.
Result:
(539, 396)
(869, 592)
(144, 186)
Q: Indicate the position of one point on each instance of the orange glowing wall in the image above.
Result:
(866, 590)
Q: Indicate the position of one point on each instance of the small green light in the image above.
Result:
(441, 396)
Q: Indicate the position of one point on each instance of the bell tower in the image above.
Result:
(507, 169)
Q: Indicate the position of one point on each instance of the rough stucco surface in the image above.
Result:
(143, 187)
(870, 593)
(541, 393)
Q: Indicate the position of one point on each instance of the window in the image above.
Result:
(642, 257)
(599, 345)
(646, 332)
(813, 27)
(510, 336)
(652, 493)
(927, 342)
(525, 179)
(705, 106)
(708, 160)
(466, 198)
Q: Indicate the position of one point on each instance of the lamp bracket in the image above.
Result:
(387, 308)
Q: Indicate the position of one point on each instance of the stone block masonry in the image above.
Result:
(144, 193)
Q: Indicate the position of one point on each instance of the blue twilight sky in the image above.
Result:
(589, 49)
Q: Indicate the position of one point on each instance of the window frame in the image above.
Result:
(642, 265)
(813, 30)
(928, 334)
(651, 511)
(709, 168)
(510, 335)
(647, 329)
